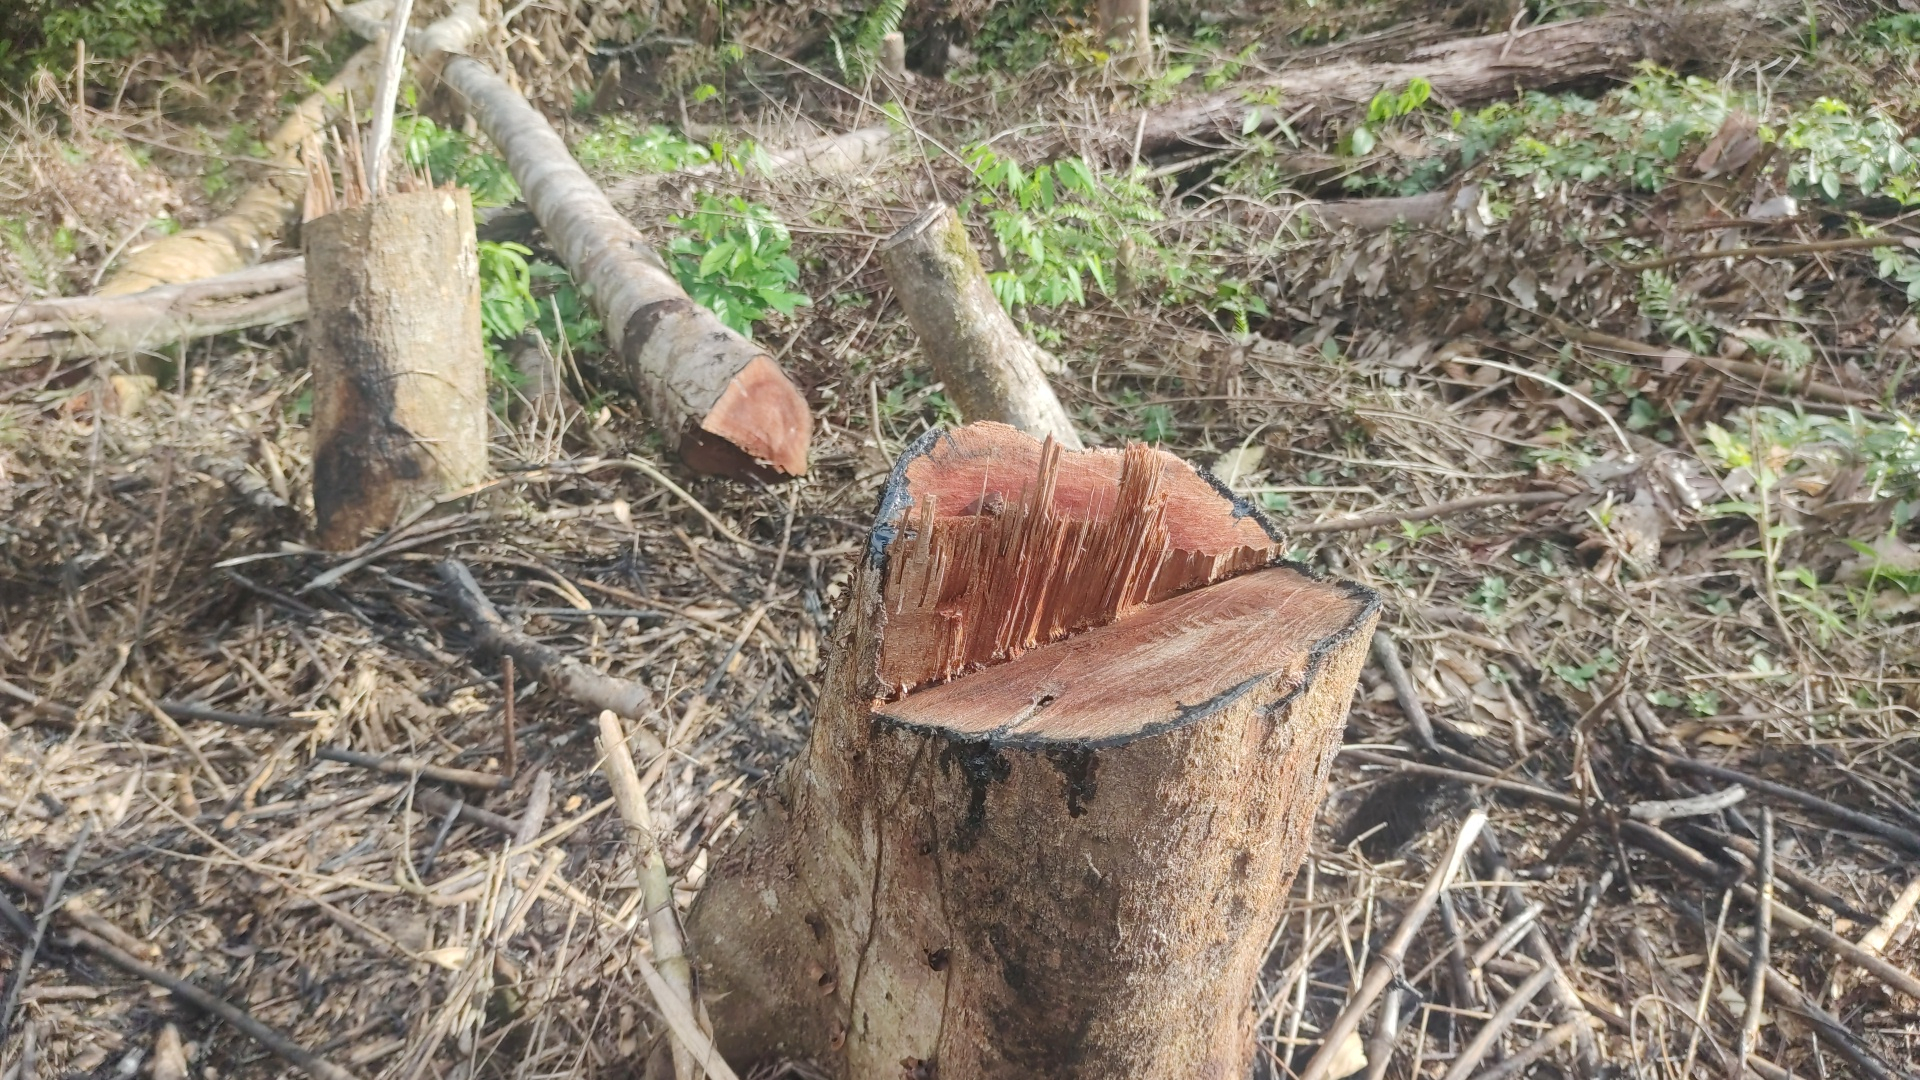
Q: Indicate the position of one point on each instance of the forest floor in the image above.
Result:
(1654, 304)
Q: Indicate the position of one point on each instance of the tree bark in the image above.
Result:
(72, 327)
(1461, 71)
(399, 375)
(236, 239)
(990, 369)
(1124, 24)
(719, 399)
(1065, 763)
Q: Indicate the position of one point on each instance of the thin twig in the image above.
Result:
(1762, 943)
(299, 1056)
(406, 766)
(386, 93)
(570, 677)
(1906, 839)
(1501, 1020)
(1775, 251)
(656, 888)
(1827, 1026)
(1386, 964)
(23, 968)
(1534, 1051)
(510, 758)
(1385, 518)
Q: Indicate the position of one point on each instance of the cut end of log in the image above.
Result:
(993, 543)
(758, 429)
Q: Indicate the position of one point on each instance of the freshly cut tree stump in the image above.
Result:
(1068, 754)
(399, 375)
(989, 367)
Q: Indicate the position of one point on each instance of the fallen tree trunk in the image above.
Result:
(236, 239)
(989, 367)
(1430, 209)
(1461, 71)
(1064, 765)
(719, 399)
(72, 327)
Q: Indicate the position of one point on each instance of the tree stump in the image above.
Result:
(989, 367)
(1069, 751)
(394, 345)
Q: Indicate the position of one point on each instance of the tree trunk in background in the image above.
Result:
(1064, 765)
(399, 373)
(265, 210)
(1124, 25)
(989, 367)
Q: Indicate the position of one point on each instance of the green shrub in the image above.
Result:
(733, 259)
(47, 33)
(618, 145)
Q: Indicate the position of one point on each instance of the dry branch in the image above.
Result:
(1061, 772)
(650, 868)
(406, 766)
(1770, 377)
(1386, 963)
(568, 676)
(78, 326)
(293, 1053)
(1903, 838)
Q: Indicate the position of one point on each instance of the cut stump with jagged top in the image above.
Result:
(1071, 744)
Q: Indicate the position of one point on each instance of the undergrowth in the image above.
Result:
(48, 34)
(1640, 135)
(733, 258)
(1062, 227)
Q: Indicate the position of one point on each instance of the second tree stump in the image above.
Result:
(1066, 761)
(399, 369)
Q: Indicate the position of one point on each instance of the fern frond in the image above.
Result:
(883, 19)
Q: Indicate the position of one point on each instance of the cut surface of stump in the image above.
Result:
(1070, 747)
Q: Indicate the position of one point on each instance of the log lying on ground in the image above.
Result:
(1462, 71)
(236, 239)
(1430, 209)
(399, 373)
(989, 367)
(73, 327)
(1065, 763)
(716, 396)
